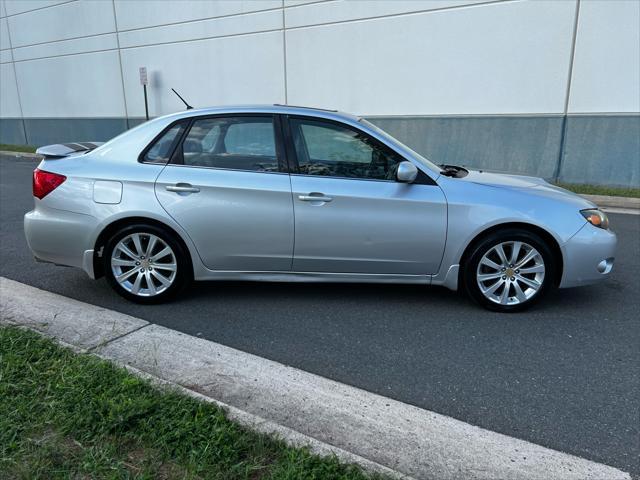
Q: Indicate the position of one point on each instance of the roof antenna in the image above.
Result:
(189, 107)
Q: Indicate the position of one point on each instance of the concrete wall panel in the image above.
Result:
(9, 106)
(45, 131)
(217, 27)
(12, 131)
(340, 11)
(4, 35)
(206, 72)
(150, 13)
(507, 57)
(61, 22)
(67, 47)
(526, 145)
(86, 85)
(606, 70)
(603, 150)
(15, 7)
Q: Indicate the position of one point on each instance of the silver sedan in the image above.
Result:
(277, 193)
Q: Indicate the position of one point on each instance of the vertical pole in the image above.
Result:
(146, 104)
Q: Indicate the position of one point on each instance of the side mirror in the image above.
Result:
(407, 172)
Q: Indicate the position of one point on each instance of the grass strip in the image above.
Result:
(17, 148)
(586, 189)
(65, 415)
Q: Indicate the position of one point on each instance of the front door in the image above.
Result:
(351, 215)
(227, 188)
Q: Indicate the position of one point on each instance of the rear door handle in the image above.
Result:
(314, 197)
(182, 188)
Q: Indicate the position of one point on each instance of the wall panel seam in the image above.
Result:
(124, 93)
(203, 19)
(405, 14)
(15, 78)
(563, 134)
(64, 40)
(40, 8)
(284, 54)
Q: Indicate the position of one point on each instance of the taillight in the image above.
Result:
(45, 182)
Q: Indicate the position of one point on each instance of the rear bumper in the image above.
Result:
(588, 257)
(60, 237)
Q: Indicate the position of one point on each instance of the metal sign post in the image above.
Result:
(144, 81)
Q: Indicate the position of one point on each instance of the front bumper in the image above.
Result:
(588, 256)
(60, 237)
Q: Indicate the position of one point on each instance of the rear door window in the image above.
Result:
(237, 143)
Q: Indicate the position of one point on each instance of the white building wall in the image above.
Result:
(78, 59)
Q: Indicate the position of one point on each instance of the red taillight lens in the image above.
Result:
(45, 182)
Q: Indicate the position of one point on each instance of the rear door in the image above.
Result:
(351, 215)
(228, 187)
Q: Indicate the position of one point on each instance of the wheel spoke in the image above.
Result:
(519, 293)
(165, 266)
(137, 244)
(530, 283)
(124, 276)
(504, 297)
(489, 276)
(121, 262)
(162, 253)
(490, 290)
(165, 281)
(515, 252)
(530, 254)
(150, 285)
(136, 285)
(534, 269)
(500, 251)
(126, 250)
(152, 243)
(490, 263)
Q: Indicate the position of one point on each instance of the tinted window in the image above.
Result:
(162, 148)
(239, 143)
(324, 148)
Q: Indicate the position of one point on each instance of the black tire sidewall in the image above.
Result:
(484, 245)
(183, 275)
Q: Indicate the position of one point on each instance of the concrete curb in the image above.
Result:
(380, 434)
(18, 155)
(614, 202)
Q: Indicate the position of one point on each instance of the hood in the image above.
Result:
(533, 185)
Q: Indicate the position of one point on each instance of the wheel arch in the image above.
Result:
(120, 223)
(544, 234)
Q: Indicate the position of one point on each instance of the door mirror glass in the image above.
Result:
(407, 172)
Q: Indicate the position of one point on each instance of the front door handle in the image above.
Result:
(314, 197)
(182, 188)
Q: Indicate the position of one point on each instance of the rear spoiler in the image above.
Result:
(61, 150)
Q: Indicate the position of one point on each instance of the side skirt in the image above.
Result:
(314, 277)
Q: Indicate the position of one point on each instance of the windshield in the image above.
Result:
(394, 140)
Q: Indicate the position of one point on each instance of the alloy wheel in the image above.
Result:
(510, 273)
(144, 264)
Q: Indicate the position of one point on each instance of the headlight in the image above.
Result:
(596, 218)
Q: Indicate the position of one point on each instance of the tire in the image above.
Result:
(140, 277)
(499, 283)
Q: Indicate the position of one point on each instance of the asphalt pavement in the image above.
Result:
(564, 375)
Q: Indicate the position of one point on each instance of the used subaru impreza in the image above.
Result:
(280, 193)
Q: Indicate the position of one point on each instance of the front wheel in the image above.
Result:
(509, 270)
(145, 264)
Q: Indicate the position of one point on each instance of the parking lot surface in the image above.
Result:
(564, 375)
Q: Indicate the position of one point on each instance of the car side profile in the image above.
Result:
(281, 193)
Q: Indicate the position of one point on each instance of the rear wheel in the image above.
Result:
(509, 270)
(145, 264)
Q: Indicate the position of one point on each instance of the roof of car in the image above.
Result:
(275, 108)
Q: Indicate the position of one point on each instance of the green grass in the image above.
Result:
(17, 148)
(64, 415)
(601, 190)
